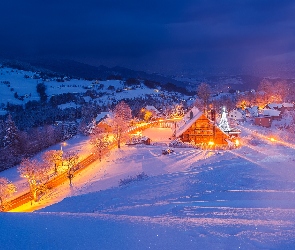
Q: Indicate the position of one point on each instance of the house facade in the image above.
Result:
(236, 115)
(263, 121)
(196, 127)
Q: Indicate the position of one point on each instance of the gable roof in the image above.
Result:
(102, 116)
(274, 105)
(288, 105)
(152, 108)
(187, 121)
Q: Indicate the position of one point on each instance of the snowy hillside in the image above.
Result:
(192, 199)
(24, 83)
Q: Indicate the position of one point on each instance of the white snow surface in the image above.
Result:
(191, 199)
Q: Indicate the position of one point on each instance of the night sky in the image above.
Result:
(163, 36)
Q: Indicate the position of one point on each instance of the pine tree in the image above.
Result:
(223, 124)
(11, 138)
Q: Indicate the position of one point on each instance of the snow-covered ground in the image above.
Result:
(192, 199)
(24, 84)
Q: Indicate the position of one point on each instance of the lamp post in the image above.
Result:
(62, 144)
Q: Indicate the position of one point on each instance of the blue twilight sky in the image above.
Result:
(163, 36)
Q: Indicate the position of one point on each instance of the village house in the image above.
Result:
(153, 110)
(263, 121)
(273, 113)
(103, 121)
(236, 115)
(267, 116)
(196, 127)
(287, 107)
(251, 111)
(280, 106)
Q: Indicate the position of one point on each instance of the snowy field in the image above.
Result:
(191, 199)
(14, 81)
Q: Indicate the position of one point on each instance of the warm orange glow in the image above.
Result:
(272, 139)
(237, 142)
(210, 143)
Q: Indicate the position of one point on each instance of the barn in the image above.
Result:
(196, 127)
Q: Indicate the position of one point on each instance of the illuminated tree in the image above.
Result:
(122, 116)
(99, 140)
(71, 159)
(272, 92)
(6, 190)
(223, 124)
(147, 115)
(36, 173)
(53, 159)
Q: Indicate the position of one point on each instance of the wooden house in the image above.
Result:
(103, 121)
(196, 127)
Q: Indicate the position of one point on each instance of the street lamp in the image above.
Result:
(62, 144)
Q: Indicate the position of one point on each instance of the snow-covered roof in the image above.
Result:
(68, 105)
(152, 108)
(274, 105)
(253, 110)
(288, 105)
(101, 116)
(270, 112)
(187, 121)
(235, 111)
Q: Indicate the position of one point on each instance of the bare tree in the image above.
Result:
(6, 190)
(53, 159)
(203, 92)
(99, 140)
(273, 92)
(71, 159)
(122, 116)
(36, 173)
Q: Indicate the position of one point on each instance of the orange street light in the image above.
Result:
(62, 144)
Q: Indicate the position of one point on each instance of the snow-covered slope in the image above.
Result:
(239, 199)
(24, 84)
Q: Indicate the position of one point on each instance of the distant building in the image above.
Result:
(152, 109)
(267, 116)
(263, 121)
(273, 113)
(273, 106)
(251, 111)
(236, 115)
(280, 106)
(103, 121)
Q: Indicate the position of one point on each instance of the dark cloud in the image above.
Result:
(150, 34)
